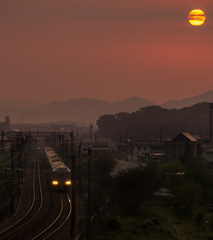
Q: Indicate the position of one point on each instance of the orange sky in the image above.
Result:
(108, 49)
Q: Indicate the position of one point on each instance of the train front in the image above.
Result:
(61, 179)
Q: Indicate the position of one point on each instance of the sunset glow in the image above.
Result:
(196, 17)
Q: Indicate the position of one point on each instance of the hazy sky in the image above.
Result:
(106, 49)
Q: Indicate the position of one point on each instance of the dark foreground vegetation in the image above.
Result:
(130, 213)
(147, 122)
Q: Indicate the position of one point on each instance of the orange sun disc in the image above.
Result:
(196, 17)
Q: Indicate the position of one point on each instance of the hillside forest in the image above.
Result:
(147, 122)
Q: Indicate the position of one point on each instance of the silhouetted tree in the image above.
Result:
(134, 185)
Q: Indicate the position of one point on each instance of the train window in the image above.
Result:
(62, 170)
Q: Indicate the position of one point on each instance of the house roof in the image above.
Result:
(184, 137)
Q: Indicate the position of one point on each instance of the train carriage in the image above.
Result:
(61, 174)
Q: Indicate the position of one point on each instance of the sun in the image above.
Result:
(196, 17)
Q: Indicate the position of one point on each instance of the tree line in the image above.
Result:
(147, 122)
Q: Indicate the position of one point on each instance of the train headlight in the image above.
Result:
(55, 183)
(68, 182)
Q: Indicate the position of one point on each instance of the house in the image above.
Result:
(175, 148)
(144, 148)
(98, 143)
(209, 154)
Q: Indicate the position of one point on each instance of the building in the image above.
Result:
(98, 143)
(145, 148)
(5, 126)
(175, 148)
(209, 155)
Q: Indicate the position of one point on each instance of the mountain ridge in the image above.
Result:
(85, 110)
(187, 102)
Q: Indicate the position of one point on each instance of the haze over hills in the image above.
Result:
(84, 110)
(25, 104)
(187, 102)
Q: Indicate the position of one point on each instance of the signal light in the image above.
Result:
(68, 182)
(55, 183)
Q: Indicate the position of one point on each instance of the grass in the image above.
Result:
(185, 226)
(171, 226)
(138, 228)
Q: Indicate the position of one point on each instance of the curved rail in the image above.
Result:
(33, 203)
(60, 213)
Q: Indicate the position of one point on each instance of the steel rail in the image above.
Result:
(28, 210)
(45, 230)
(64, 220)
(33, 203)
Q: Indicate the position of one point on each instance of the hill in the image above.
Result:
(147, 122)
(84, 110)
(187, 102)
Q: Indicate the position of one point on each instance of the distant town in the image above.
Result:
(83, 177)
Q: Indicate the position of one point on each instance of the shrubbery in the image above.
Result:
(134, 185)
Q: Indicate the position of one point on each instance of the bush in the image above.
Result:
(134, 185)
(156, 221)
(112, 223)
(209, 218)
(149, 223)
(199, 217)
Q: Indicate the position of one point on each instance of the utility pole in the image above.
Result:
(96, 145)
(161, 138)
(89, 183)
(62, 147)
(22, 155)
(71, 135)
(91, 127)
(210, 130)
(59, 145)
(66, 153)
(2, 138)
(12, 179)
(120, 143)
(73, 181)
(79, 167)
(2, 135)
(77, 134)
(19, 165)
(127, 142)
(72, 220)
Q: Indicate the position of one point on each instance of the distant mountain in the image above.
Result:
(52, 105)
(83, 110)
(187, 102)
(26, 104)
(129, 104)
(88, 110)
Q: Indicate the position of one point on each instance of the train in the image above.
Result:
(60, 173)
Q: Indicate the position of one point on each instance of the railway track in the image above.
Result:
(19, 226)
(43, 213)
(59, 221)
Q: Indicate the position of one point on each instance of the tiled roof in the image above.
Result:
(184, 137)
(189, 137)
